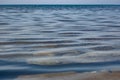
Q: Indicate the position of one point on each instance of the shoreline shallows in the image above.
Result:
(103, 75)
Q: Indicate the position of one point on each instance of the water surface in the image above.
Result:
(44, 39)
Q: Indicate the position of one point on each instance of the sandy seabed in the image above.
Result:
(104, 75)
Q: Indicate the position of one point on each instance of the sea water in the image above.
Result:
(36, 39)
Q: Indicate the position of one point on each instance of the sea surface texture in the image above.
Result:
(38, 39)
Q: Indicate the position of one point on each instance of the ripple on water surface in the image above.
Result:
(42, 39)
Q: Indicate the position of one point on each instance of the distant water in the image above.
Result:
(38, 39)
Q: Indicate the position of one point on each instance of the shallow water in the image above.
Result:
(42, 39)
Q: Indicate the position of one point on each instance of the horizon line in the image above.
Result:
(58, 4)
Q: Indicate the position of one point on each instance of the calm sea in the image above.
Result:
(36, 39)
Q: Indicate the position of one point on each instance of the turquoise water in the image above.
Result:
(36, 39)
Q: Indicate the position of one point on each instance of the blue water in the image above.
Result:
(36, 39)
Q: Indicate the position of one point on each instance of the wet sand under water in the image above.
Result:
(115, 75)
